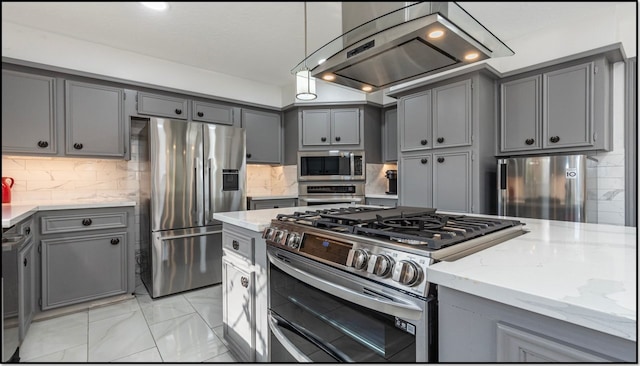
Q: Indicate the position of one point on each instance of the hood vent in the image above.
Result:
(400, 42)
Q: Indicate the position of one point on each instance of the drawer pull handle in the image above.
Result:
(235, 245)
(440, 140)
(115, 241)
(244, 282)
(200, 114)
(529, 141)
(178, 111)
(441, 160)
(27, 230)
(43, 144)
(86, 222)
(25, 262)
(78, 146)
(423, 142)
(424, 161)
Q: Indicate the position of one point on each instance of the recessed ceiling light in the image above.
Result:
(159, 6)
(436, 34)
(471, 56)
(367, 88)
(329, 77)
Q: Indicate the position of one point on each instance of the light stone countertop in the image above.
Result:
(583, 274)
(13, 213)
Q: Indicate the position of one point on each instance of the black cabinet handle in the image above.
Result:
(86, 222)
(423, 142)
(323, 139)
(440, 140)
(337, 138)
(43, 144)
(200, 114)
(529, 141)
(248, 156)
(27, 230)
(178, 111)
(77, 146)
(554, 139)
(441, 160)
(424, 161)
(235, 245)
(25, 262)
(244, 281)
(115, 241)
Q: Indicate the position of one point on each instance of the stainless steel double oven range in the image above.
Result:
(349, 284)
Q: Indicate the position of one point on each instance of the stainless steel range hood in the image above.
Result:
(388, 43)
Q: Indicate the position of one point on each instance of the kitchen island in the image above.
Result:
(571, 284)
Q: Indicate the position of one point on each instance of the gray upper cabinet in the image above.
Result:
(416, 183)
(345, 126)
(94, 117)
(328, 127)
(264, 136)
(214, 113)
(414, 121)
(316, 127)
(163, 106)
(521, 114)
(452, 181)
(452, 115)
(390, 135)
(28, 113)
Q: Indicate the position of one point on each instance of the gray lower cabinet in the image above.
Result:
(86, 254)
(26, 286)
(452, 181)
(94, 119)
(214, 113)
(390, 136)
(28, 113)
(162, 106)
(272, 203)
(416, 181)
(387, 202)
(264, 136)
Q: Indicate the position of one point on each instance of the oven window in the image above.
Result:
(355, 333)
(325, 165)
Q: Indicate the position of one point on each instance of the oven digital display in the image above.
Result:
(327, 249)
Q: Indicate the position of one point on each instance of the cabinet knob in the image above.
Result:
(86, 222)
(25, 262)
(424, 160)
(244, 282)
(423, 142)
(115, 241)
(529, 141)
(235, 245)
(554, 139)
(337, 138)
(248, 156)
(178, 111)
(441, 160)
(77, 146)
(27, 230)
(200, 114)
(43, 144)
(440, 140)
(323, 139)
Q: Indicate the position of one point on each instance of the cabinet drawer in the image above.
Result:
(163, 106)
(238, 245)
(82, 222)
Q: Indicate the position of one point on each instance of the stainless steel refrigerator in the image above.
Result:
(189, 171)
(560, 187)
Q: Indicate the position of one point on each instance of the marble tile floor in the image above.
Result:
(185, 327)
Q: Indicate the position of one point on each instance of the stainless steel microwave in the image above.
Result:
(331, 165)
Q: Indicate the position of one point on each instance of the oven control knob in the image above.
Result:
(360, 259)
(382, 265)
(268, 233)
(293, 241)
(279, 236)
(407, 273)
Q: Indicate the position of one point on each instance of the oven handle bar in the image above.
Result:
(390, 307)
(276, 321)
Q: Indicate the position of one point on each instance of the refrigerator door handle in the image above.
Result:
(503, 176)
(502, 188)
(189, 235)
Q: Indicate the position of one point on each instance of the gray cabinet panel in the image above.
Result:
(345, 126)
(387, 202)
(316, 127)
(83, 268)
(83, 222)
(520, 107)
(213, 113)
(28, 113)
(452, 181)
(275, 203)
(26, 286)
(264, 136)
(239, 308)
(390, 135)
(567, 106)
(414, 121)
(162, 106)
(452, 114)
(416, 183)
(94, 117)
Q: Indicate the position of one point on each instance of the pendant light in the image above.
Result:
(305, 84)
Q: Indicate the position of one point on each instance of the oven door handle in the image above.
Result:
(276, 321)
(395, 307)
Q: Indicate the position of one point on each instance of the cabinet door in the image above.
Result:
(567, 107)
(452, 181)
(214, 113)
(414, 121)
(26, 286)
(345, 126)
(390, 135)
(520, 111)
(415, 181)
(264, 136)
(28, 113)
(162, 106)
(94, 117)
(238, 308)
(316, 127)
(277, 203)
(452, 115)
(82, 268)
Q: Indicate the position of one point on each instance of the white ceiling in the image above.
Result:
(259, 41)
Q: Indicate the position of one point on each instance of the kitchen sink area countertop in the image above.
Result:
(579, 273)
(13, 213)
